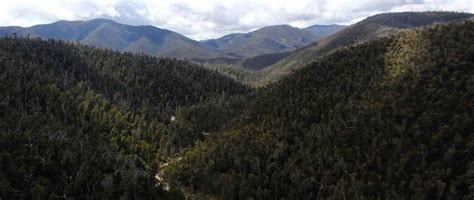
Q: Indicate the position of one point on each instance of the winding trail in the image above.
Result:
(160, 175)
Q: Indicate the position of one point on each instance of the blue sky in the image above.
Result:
(203, 19)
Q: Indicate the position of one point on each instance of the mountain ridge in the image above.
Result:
(382, 110)
(390, 118)
(106, 33)
(270, 39)
(377, 26)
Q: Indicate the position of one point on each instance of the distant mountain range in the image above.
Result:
(110, 34)
(275, 51)
(270, 39)
(154, 41)
(268, 68)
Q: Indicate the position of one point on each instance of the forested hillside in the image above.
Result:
(387, 119)
(264, 47)
(372, 118)
(270, 39)
(377, 26)
(79, 122)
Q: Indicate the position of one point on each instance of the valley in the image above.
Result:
(380, 109)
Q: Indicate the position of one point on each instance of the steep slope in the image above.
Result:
(109, 34)
(143, 44)
(78, 122)
(257, 62)
(271, 39)
(106, 35)
(222, 41)
(387, 119)
(324, 30)
(377, 26)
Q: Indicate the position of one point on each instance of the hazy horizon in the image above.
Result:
(211, 18)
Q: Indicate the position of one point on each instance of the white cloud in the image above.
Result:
(213, 18)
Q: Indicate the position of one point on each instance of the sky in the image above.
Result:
(205, 19)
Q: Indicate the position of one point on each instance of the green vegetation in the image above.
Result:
(83, 122)
(245, 76)
(389, 119)
(269, 40)
(377, 26)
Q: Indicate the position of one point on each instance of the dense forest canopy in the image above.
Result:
(391, 118)
(373, 27)
(79, 121)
